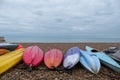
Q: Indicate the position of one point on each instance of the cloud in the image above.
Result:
(28, 18)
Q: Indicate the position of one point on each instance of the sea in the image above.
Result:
(63, 40)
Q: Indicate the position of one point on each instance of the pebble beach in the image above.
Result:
(41, 72)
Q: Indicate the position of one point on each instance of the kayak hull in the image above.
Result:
(10, 59)
(53, 58)
(3, 51)
(71, 58)
(105, 59)
(90, 62)
(109, 62)
(33, 55)
(8, 46)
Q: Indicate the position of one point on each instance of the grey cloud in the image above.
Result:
(80, 18)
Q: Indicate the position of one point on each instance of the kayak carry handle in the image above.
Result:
(29, 69)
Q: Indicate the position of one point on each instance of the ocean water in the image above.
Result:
(63, 40)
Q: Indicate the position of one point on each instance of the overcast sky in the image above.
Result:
(27, 19)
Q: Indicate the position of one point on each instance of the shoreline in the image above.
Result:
(100, 46)
(64, 42)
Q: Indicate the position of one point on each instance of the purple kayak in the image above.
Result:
(71, 58)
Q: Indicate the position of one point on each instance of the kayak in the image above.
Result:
(90, 61)
(8, 46)
(114, 52)
(10, 59)
(71, 58)
(32, 56)
(105, 59)
(3, 51)
(115, 56)
(53, 58)
(19, 47)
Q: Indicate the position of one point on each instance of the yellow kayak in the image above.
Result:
(10, 59)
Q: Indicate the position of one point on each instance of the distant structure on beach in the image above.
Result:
(2, 39)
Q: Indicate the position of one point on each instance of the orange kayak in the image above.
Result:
(53, 58)
(3, 51)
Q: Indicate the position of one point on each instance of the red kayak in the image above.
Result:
(19, 47)
(53, 58)
(33, 56)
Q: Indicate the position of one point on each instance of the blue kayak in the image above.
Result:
(71, 58)
(105, 59)
(90, 62)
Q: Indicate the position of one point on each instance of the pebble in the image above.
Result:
(42, 73)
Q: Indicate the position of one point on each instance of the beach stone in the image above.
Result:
(56, 79)
(78, 72)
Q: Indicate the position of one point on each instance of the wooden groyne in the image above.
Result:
(2, 39)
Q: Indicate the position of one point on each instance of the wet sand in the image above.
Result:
(19, 72)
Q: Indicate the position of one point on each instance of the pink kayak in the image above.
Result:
(33, 56)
